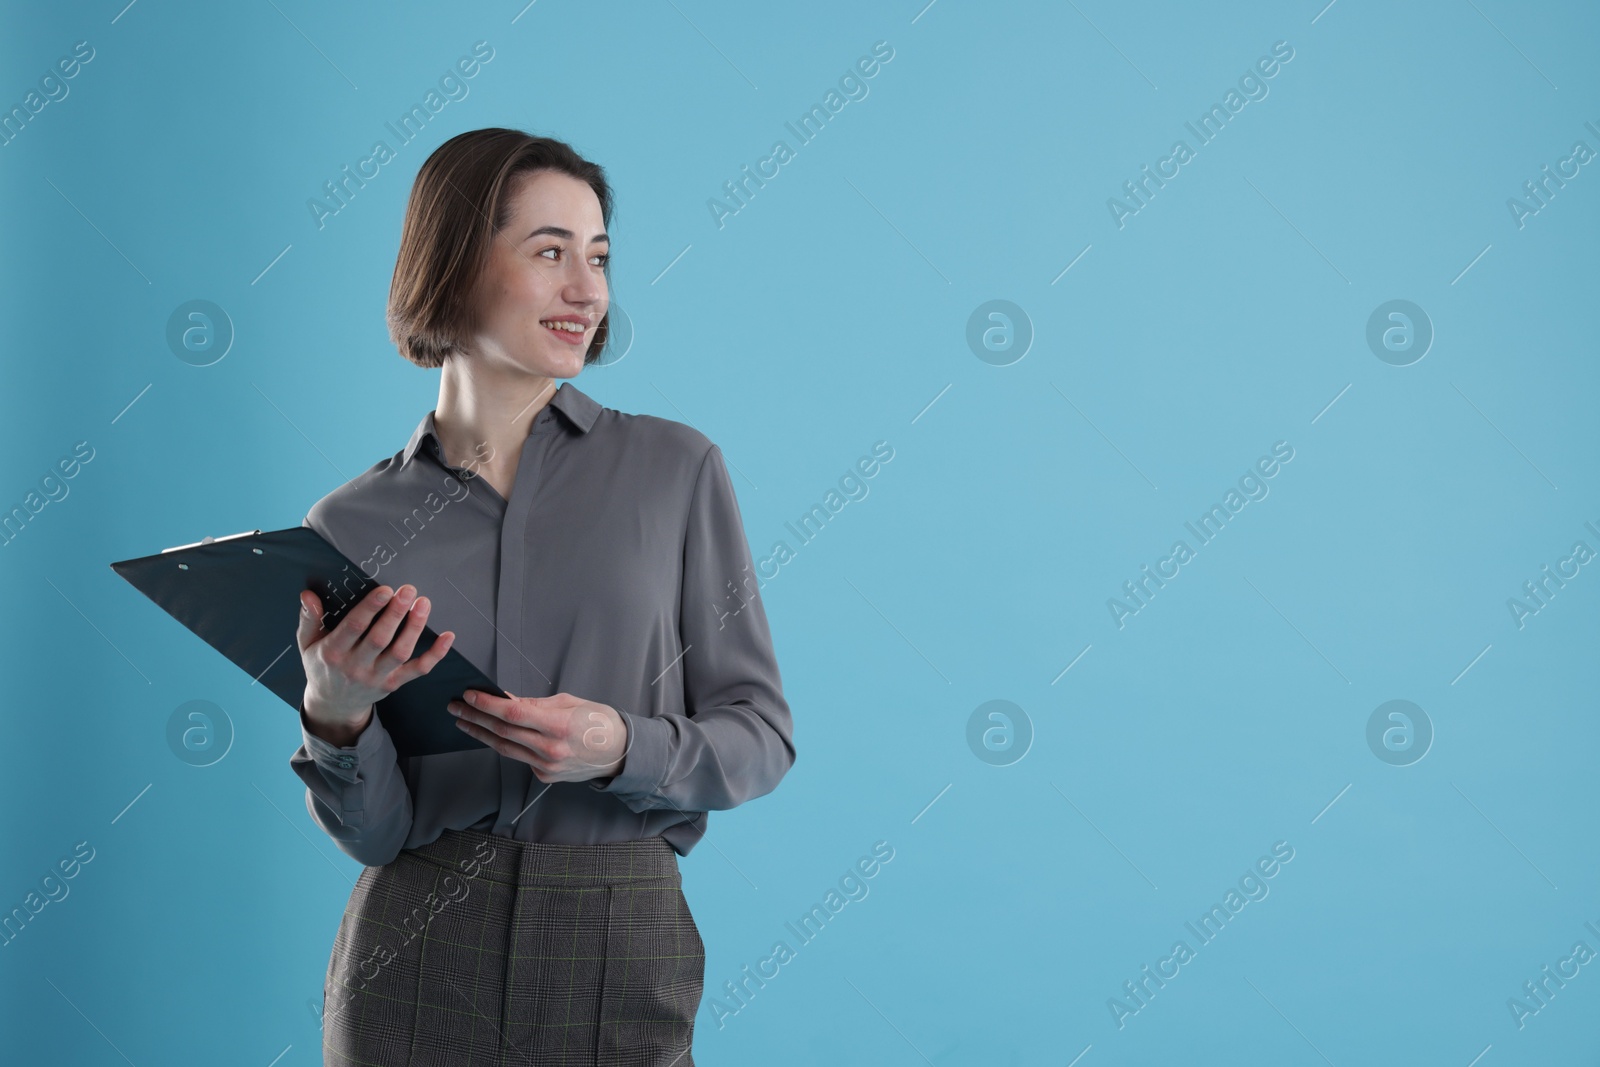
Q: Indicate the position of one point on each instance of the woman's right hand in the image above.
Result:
(362, 660)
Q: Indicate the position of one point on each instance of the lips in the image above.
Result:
(572, 337)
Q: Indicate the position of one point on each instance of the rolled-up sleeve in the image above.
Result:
(735, 740)
(357, 793)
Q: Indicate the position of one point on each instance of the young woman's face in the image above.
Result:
(546, 265)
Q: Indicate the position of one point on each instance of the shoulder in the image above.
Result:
(654, 433)
(662, 445)
(660, 463)
(346, 504)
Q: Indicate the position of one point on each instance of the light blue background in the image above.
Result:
(828, 314)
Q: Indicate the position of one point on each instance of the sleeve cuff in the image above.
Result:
(372, 744)
(645, 760)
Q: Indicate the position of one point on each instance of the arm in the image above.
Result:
(735, 741)
(356, 793)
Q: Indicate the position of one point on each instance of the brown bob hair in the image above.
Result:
(459, 202)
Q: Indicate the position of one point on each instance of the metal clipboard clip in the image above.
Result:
(212, 540)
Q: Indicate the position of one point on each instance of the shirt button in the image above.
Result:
(347, 762)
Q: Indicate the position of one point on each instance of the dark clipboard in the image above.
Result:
(238, 594)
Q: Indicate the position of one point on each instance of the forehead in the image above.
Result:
(552, 198)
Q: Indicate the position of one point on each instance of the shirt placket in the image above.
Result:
(514, 673)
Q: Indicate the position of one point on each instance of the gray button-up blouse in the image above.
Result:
(618, 572)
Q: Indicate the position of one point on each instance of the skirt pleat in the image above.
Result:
(477, 949)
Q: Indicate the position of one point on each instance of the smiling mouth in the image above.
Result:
(573, 333)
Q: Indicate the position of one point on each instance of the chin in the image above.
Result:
(559, 365)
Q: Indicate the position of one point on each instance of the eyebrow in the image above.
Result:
(557, 231)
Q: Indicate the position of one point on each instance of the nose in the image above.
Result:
(584, 284)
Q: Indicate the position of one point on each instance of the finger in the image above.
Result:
(483, 720)
(542, 766)
(530, 741)
(477, 732)
(356, 620)
(424, 663)
(501, 707)
(543, 715)
(399, 649)
(503, 745)
(310, 623)
(382, 631)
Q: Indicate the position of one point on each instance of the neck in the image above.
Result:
(485, 412)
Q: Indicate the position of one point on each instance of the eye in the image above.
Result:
(603, 257)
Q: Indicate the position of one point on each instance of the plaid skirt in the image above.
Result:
(478, 949)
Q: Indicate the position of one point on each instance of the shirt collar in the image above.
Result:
(579, 409)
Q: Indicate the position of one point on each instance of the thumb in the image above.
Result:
(310, 624)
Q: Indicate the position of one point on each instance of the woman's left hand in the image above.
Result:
(562, 737)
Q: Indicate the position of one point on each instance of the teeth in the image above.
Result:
(570, 327)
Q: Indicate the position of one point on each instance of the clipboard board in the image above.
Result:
(239, 595)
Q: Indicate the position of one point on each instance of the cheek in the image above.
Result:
(528, 283)
(518, 277)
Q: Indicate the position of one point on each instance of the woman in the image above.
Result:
(522, 898)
